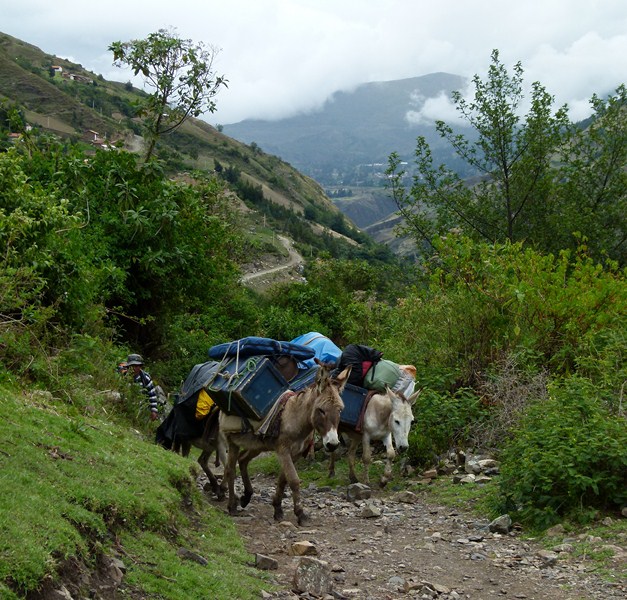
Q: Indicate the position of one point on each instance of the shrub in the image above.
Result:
(441, 422)
(506, 389)
(568, 455)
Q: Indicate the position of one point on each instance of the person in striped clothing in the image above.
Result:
(141, 377)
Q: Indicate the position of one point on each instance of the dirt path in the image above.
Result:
(293, 259)
(411, 550)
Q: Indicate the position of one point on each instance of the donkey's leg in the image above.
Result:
(332, 463)
(221, 447)
(182, 447)
(291, 475)
(390, 454)
(203, 461)
(277, 499)
(229, 475)
(244, 458)
(366, 456)
(351, 455)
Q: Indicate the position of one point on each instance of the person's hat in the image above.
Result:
(134, 359)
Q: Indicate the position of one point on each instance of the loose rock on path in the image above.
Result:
(396, 545)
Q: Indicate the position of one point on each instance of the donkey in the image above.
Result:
(314, 409)
(209, 442)
(388, 415)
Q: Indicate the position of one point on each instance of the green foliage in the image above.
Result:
(441, 422)
(105, 244)
(484, 301)
(569, 454)
(591, 199)
(80, 486)
(180, 72)
(538, 179)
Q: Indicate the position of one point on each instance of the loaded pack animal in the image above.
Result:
(209, 442)
(314, 409)
(387, 416)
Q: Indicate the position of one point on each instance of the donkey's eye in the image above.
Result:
(397, 422)
(321, 411)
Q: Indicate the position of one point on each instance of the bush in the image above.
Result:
(568, 455)
(441, 422)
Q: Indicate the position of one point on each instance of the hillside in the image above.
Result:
(348, 141)
(60, 97)
(346, 144)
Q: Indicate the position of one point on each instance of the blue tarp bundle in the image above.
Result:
(324, 349)
(259, 346)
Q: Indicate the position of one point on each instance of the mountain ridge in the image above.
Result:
(61, 97)
(360, 127)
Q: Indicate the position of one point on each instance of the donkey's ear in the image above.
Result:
(413, 397)
(342, 378)
(388, 392)
(322, 375)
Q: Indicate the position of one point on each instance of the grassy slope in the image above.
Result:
(76, 486)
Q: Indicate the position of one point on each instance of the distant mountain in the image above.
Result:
(340, 143)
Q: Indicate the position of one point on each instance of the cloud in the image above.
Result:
(287, 56)
(440, 108)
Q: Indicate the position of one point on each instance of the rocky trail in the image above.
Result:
(388, 545)
(271, 265)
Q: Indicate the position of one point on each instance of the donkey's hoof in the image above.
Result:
(303, 519)
(245, 499)
(278, 514)
(232, 507)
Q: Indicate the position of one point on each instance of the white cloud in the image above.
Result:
(440, 108)
(286, 56)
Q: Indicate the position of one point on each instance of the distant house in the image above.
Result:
(75, 77)
(81, 78)
(92, 136)
(57, 69)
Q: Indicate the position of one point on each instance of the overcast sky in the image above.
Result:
(282, 57)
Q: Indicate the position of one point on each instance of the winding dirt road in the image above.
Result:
(294, 259)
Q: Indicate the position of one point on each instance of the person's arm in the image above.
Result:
(149, 388)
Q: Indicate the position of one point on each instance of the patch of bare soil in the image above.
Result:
(412, 549)
(273, 268)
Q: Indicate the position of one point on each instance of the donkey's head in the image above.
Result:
(328, 405)
(401, 418)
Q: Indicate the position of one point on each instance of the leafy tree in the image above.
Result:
(534, 173)
(181, 74)
(592, 196)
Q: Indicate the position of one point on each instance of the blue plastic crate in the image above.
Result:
(353, 397)
(303, 379)
(247, 387)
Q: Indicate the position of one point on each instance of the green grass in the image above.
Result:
(588, 549)
(316, 471)
(480, 500)
(76, 487)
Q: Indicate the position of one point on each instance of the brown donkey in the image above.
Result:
(314, 409)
